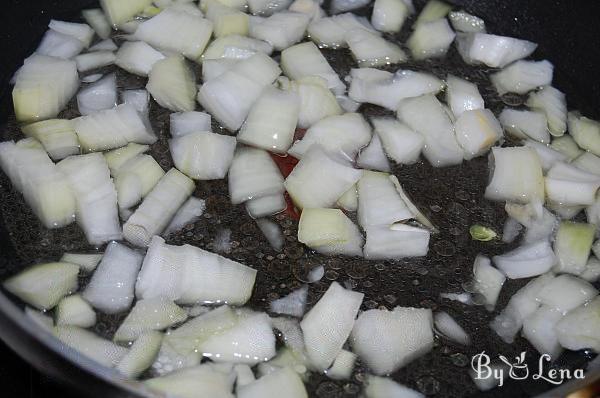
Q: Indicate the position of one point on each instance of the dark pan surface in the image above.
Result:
(452, 197)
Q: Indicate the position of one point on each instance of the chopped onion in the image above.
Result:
(338, 6)
(86, 343)
(449, 328)
(83, 32)
(379, 202)
(465, 22)
(319, 181)
(140, 99)
(573, 244)
(585, 132)
(293, 304)
(273, 384)
(349, 200)
(158, 208)
(304, 60)
(281, 30)
(43, 286)
(271, 121)
(118, 12)
(476, 131)
(328, 324)
(389, 15)
(135, 179)
(579, 328)
(566, 292)
(591, 272)
(91, 78)
(226, 20)
(431, 39)
(492, 50)
(203, 155)
(342, 367)
(511, 230)
(517, 176)
(322, 227)
(75, 311)
(373, 156)
(137, 57)
(399, 142)
(176, 31)
(272, 232)
(112, 128)
(589, 162)
(396, 241)
(267, 7)
(59, 45)
(56, 135)
(462, 95)
(189, 122)
(141, 355)
(266, 205)
(553, 104)
(427, 116)
(539, 329)
(370, 49)
(186, 383)
(173, 84)
(383, 387)
(548, 156)
(316, 101)
(44, 186)
(340, 136)
(97, 20)
(566, 212)
(118, 157)
(243, 375)
(86, 262)
(388, 340)
(96, 197)
(522, 77)
(253, 174)
(433, 10)
(352, 246)
(212, 68)
(187, 214)
(111, 288)
(568, 185)
(567, 146)
(293, 339)
(526, 261)
(487, 281)
(235, 47)
(330, 32)
(94, 60)
(311, 8)
(43, 87)
(98, 96)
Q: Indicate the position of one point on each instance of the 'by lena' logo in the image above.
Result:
(517, 369)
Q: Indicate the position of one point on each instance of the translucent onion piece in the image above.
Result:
(267, 7)
(589, 162)
(522, 77)
(383, 387)
(56, 135)
(311, 8)
(118, 12)
(379, 202)
(548, 156)
(492, 50)
(173, 84)
(139, 99)
(86, 262)
(118, 157)
(573, 244)
(433, 10)
(141, 355)
(316, 101)
(388, 340)
(111, 288)
(272, 385)
(203, 155)
(253, 174)
(91, 78)
(351, 247)
(567, 146)
(86, 343)
(449, 328)
(330, 32)
(525, 124)
(226, 20)
(373, 156)
(389, 15)
(585, 132)
(539, 329)
(59, 45)
(94, 60)
(579, 329)
(186, 383)
(399, 142)
(147, 315)
(137, 57)
(266, 205)
(568, 185)
(189, 122)
(431, 39)
(187, 214)
(396, 241)
(342, 366)
(75, 311)
(212, 68)
(293, 304)
(135, 179)
(526, 261)
(553, 104)
(591, 272)
(272, 231)
(349, 200)
(465, 22)
(487, 281)
(370, 49)
(322, 227)
(98, 96)
(82, 32)
(476, 131)
(281, 30)
(235, 47)
(566, 292)
(338, 6)
(462, 95)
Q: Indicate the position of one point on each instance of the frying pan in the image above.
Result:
(567, 33)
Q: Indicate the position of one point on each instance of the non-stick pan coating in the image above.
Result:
(452, 197)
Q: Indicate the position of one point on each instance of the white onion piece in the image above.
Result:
(517, 176)
(83, 32)
(59, 45)
(75, 311)
(281, 30)
(340, 136)
(176, 31)
(572, 245)
(592, 211)
(462, 95)
(373, 157)
(589, 162)
(522, 77)
(352, 246)
(118, 12)
(427, 116)
(91, 78)
(389, 15)
(349, 200)
(190, 7)
(250, 341)
(388, 340)
(465, 22)
(86, 343)
(525, 124)
(417, 214)
(548, 156)
(289, 329)
(272, 232)
(118, 157)
(322, 227)
(98, 96)
(585, 132)
(396, 241)
(187, 214)
(235, 47)
(449, 328)
(96, 197)
(40, 319)
(267, 7)
(316, 100)
(273, 384)
(253, 174)
(44, 186)
(370, 49)
(43, 87)
(347, 103)
(226, 20)
(431, 39)
(566, 292)
(379, 202)
(86, 262)
(383, 387)
(56, 135)
(229, 97)
(476, 131)
(591, 272)
(553, 104)
(487, 281)
(568, 185)
(328, 324)
(399, 142)
(538, 328)
(342, 367)
(140, 100)
(338, 6)
(44, 285)
(266, 205)
(243, 375)
(203, 155)
(112, 128)
(567, 146)
(186, 383)
(212, 68)
(312, 8)
(97, 20)
(305, 59)
(433, 10)
(330, 32)
(293, 304)
(94, 60)
(464, 298)
(271, 121)
(135, 179)
(173, 84)
(565, 212)
(492, 50)
(141, 355)
(158, 208)
(137, 57)
(130, 27)
(511, 230)
(526, 261)
(153, 314)
(189, 122)
(104, 45)
(319, 181)
(579, 328)
(111, 288)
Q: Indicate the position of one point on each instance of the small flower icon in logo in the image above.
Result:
(518, 369)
